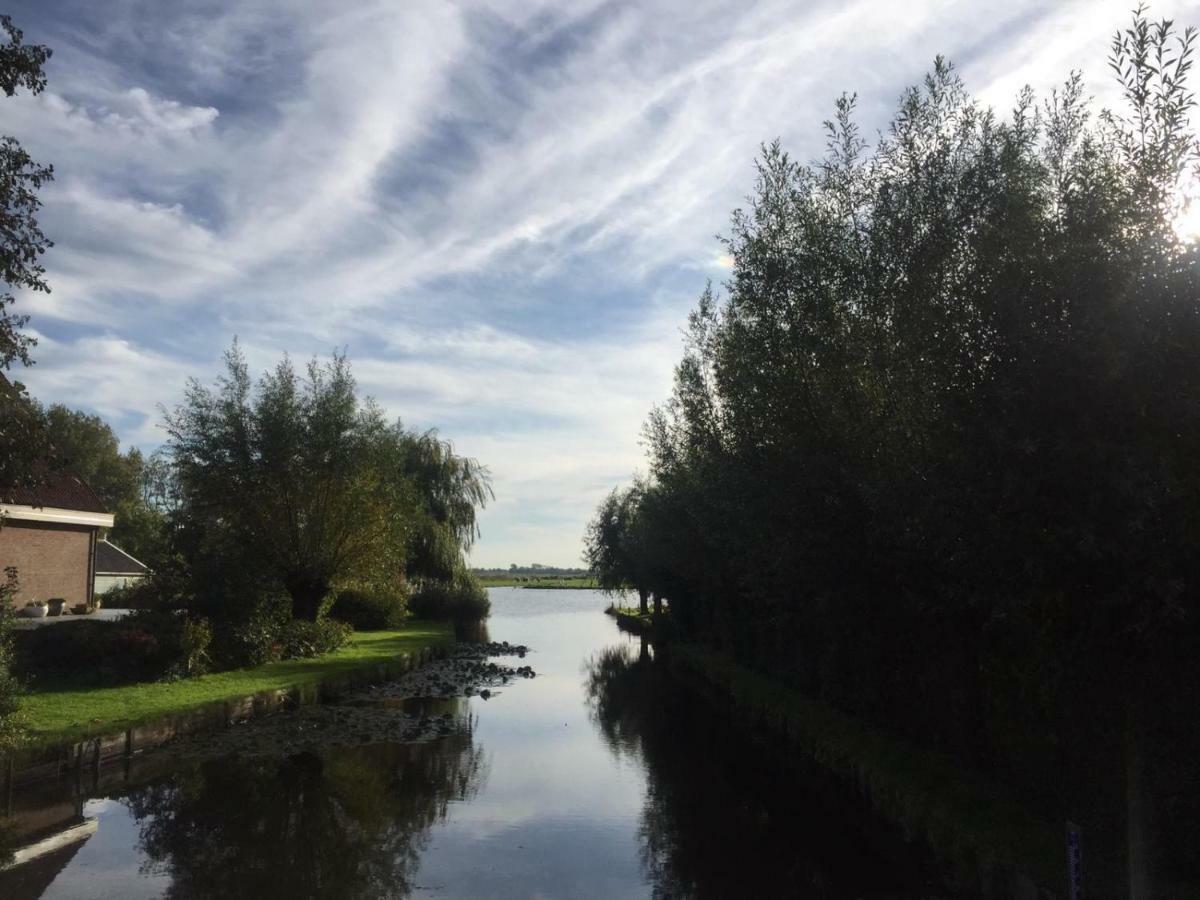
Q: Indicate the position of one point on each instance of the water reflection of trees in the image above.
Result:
(723, 816)
(338, 822)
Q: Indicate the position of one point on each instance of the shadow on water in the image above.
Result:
(329, 824)
(727, 817)
(334, 822)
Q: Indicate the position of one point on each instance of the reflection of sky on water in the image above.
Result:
(559, 812)
(102, 869)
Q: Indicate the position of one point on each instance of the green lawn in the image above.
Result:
(55, 713)
(547, 582)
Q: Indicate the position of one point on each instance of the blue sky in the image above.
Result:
(503, 211)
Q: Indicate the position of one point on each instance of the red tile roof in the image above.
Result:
(59, 490)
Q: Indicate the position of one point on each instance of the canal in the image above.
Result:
(599, 777)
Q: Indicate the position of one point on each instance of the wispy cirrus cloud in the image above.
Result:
(502, 210)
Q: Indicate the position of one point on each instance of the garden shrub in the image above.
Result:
(10, 686)
(248, 644)
(370, 610)
(462, 597)
(145, 646)
(301, 639)
(269, 634)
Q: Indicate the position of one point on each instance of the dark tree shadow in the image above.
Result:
(339, 822)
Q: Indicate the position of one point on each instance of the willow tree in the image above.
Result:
(307, 486)
(614, 544)
(449, 489)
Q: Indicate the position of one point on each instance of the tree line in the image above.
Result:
(931, 454)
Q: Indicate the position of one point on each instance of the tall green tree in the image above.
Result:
(935, 440)
(614, 544)
(450, 489)
(307, 486)
(22, 243)
(88, 446)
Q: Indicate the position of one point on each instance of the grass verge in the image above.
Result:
(55, 713)
(547, 583)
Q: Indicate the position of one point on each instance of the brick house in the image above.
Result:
(49, 533)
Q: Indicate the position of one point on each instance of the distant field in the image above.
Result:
(542, 582)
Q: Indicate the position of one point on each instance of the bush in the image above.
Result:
(463, 597)
(269, 634)
(167, 588)
(301, 639)
(141, 594)
(249, 644)
(370, 610)
(10, 687)
(145, 646)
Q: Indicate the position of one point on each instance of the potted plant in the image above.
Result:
(34, 609)
(80, 609)
(55, 606)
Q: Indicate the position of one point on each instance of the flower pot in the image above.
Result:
(80, 609)
(34, 611)
(55, 606)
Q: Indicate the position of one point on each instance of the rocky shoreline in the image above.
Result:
(422, 705)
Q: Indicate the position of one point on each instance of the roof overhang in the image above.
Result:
(59, 516)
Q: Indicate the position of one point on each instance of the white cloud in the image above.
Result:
(169, 116)
(448, 188)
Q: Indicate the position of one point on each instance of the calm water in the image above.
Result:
(598, 778)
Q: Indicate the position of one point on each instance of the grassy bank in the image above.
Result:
(633, 619)
(975, 826)
(547, 583)
(66, 712)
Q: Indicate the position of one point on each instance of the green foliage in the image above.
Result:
(23, 443)
(299, 639)
(24, 446)
(945, 417)
(449, 488)
(370, 610)
(167, 587)
(295, 484)
(269, 634)
(145, 646)
(461, 598)
(10, 686)
(194, 640)
(88, 446)
(253, 638)
(22, 242)
(612, 545)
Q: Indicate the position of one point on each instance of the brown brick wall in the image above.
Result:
(52, 560)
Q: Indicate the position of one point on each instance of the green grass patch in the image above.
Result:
(60, 712)
(632, 612)
(547, 583)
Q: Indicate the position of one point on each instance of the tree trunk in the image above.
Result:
(657, 605)
(308, 597)
(642, 601)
